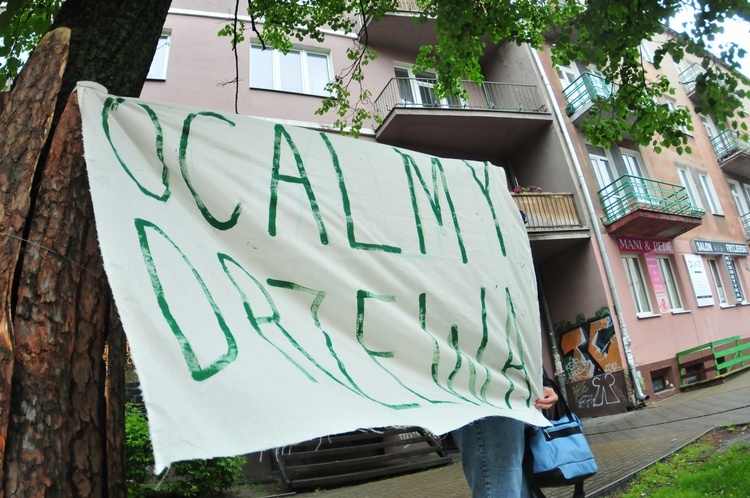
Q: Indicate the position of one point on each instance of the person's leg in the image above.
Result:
(492, 457)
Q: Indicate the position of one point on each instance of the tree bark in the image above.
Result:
(61, 417)
(26, 119)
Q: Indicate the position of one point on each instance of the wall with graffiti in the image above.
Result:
(593, 365)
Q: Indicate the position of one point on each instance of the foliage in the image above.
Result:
(206, 477)
(22, 25)
(564, 326)
(138, 451)
(518, 189)
(696, 471)
(605, 33)
(201, 478)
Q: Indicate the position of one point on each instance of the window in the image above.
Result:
(634, 167)
(568, 74)
(637, 284)
(711, 197)
(298, 71)
(673, 107)
(646, 53)
(708, 123)
(418, 89)
(670, 283)
(692, 193)
(158, 69)
(718, 282)
(739, 197)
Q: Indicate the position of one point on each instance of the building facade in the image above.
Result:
(639, 255)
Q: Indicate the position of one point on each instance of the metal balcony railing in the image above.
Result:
(689, 75)
(585, 89)
(419, 93)
(631, 193)
(745, 219)
(728, 143)
(547, 212)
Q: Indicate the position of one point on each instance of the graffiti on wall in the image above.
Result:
(603, 394)
(590, 349)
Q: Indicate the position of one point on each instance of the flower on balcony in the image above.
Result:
(518, 189)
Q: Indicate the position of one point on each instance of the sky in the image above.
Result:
(735, 30)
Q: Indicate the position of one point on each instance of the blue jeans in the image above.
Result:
(492, 451)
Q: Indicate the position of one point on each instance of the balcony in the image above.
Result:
(546, 212)
(398, 29)
(641, 207)
(586, 90)
(491, 121)
(553, 223)
(732, 152)
(688, 77)
(745, 219)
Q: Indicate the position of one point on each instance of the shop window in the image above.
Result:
(718, 282)
(637, 285)
(670, 283)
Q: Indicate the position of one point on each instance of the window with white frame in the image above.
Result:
(708, 188)
(739, 197)
(637, 284)
(158, 69)
(673, 107)
(718, 282)
(634, 166)
(297, 71)
(670, 283)
(646, 53)
(708, 123)
(687, 181)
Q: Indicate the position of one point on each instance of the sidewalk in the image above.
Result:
(623, 444)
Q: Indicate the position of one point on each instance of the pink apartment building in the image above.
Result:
(639, 256)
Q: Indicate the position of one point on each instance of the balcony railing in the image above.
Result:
(630, 193)
(419, 93)
(407, 6)
(547, 212)
(727, 143)
(587, 88)
(689, 75)
(745, 218)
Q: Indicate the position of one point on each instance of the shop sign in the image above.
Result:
(732, 271)
(643, 245)
(697, 271)
(714, 247)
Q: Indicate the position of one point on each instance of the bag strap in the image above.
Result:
(579, 492)
(560, 399)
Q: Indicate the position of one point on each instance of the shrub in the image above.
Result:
(202, 478)
(207, 477)
(138, 451)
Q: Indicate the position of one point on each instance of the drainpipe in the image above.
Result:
(547, 316)
(634, 374)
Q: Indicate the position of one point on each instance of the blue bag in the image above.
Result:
(559, 455)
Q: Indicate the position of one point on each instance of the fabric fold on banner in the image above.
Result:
(278, 284)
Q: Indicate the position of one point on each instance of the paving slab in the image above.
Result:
(623, 444)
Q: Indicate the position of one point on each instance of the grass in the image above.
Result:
(703, 468)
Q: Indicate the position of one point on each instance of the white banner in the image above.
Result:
(278, 284)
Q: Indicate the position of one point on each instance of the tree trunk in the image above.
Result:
(61, 408)
(26, 120)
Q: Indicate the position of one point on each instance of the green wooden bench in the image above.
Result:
(722, 357)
